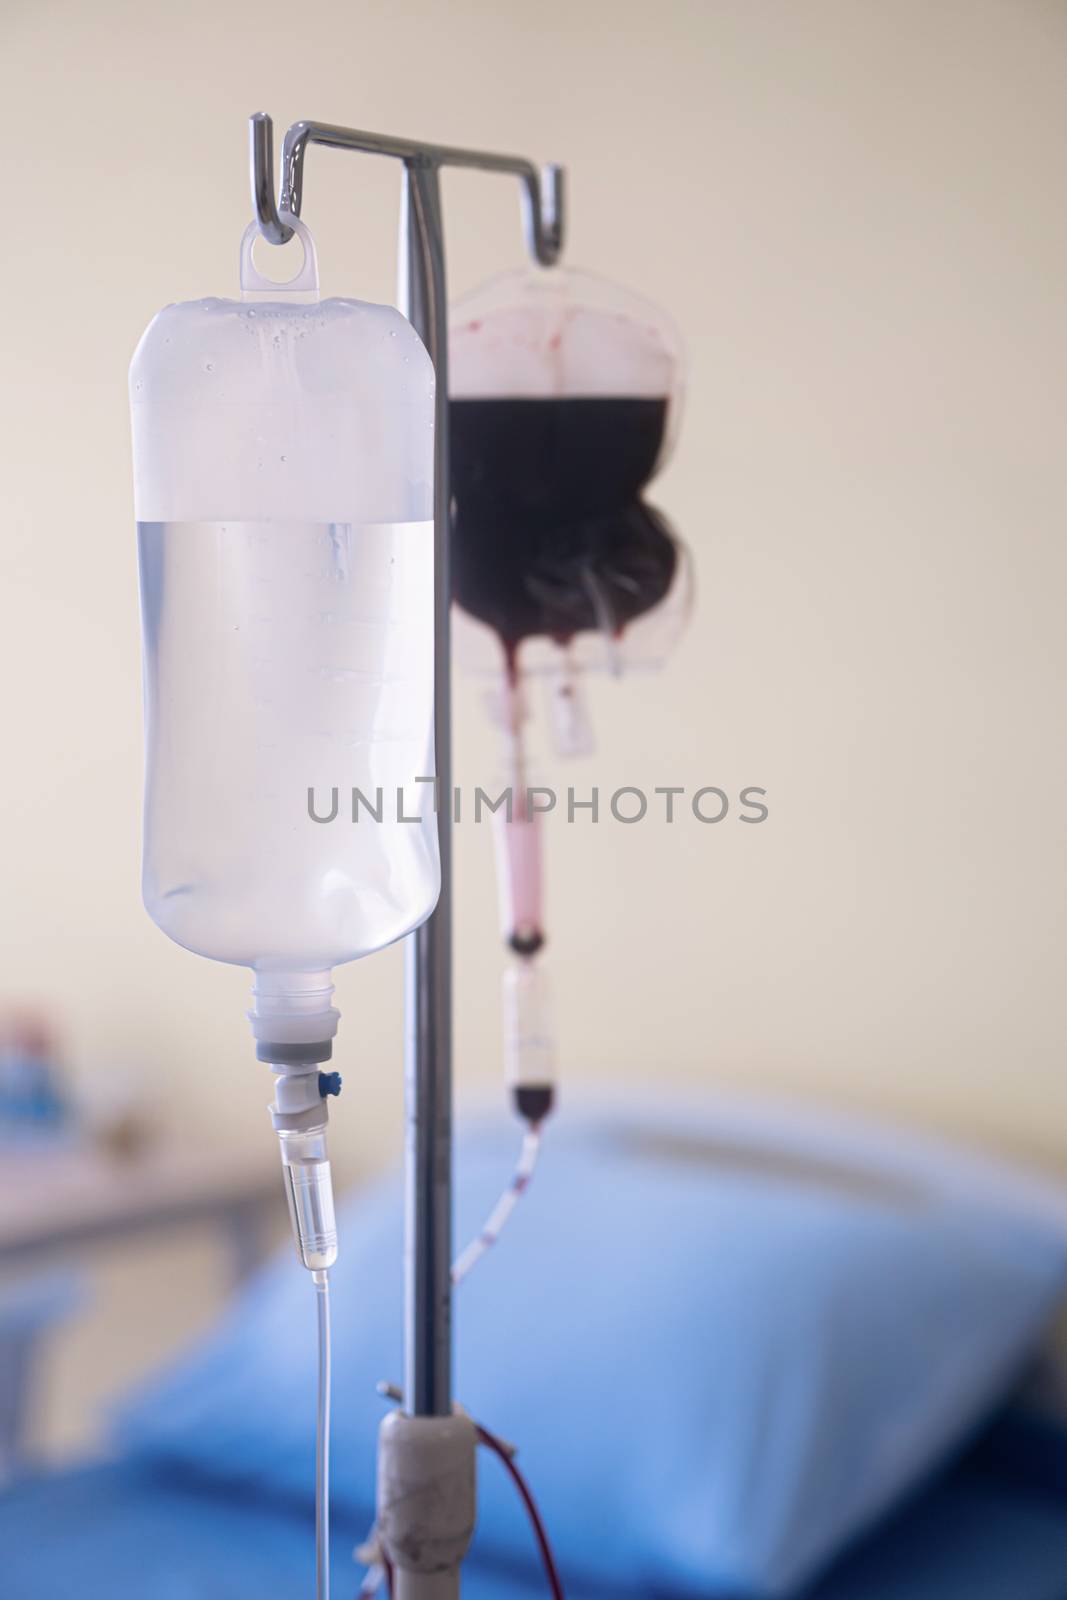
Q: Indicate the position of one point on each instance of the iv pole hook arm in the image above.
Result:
(543, 191)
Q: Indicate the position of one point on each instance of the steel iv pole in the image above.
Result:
(426, 1455)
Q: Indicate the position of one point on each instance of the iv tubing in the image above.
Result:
(507, 1457)
(498, 1217)
(322, 1441)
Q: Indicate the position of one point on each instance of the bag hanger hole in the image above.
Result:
(278, 263)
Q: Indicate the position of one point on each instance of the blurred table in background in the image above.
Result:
(58, 1200)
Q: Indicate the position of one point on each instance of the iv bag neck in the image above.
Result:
(292, 1018)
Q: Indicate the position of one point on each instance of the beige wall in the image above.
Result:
(856, 213)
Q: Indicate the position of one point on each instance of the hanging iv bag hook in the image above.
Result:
(543, 191)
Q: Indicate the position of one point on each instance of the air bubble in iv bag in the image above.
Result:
(565, 396)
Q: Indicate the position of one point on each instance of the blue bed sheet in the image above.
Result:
(121, 1532)
(987, 1531)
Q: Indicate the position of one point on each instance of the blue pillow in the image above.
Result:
(725, 1339)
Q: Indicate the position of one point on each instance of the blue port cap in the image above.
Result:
(329, 1083)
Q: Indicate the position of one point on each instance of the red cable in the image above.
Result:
(540, 1531)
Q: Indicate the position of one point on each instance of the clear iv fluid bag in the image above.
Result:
(565, 393)
(283, 460)
(283, 658)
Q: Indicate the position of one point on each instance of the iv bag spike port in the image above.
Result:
(543, 188)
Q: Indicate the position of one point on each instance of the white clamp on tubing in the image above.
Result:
(294, 1025)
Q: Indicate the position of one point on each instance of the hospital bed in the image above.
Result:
(993, 1528)
(818, 1329)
